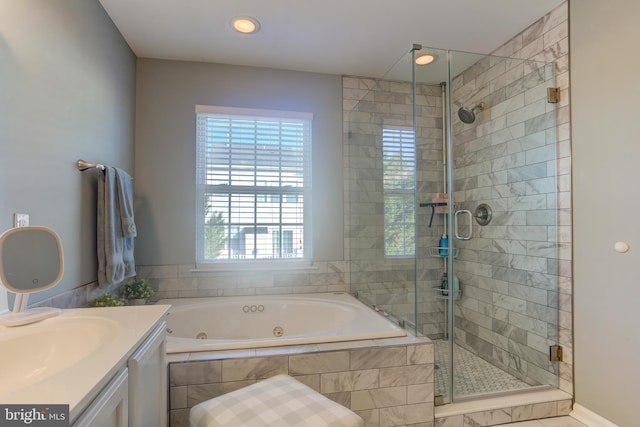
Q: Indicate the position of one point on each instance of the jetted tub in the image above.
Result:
(225, 323)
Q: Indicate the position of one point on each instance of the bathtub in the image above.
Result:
(226, 323)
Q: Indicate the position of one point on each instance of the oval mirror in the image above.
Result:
(31, 260)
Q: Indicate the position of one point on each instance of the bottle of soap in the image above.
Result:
(443, 245)
(444, 284)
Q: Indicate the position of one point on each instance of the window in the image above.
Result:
(399, 170)
(253, 182)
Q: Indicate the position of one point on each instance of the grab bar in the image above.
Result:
(467, 212)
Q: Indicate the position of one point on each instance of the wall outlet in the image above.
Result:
(20, 220)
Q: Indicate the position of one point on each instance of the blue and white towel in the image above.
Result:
(125, 202)
(116, 227)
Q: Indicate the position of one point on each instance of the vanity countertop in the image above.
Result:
(68, 359)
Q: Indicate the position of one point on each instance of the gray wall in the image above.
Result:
(167, 93)
(604, 99)
(66, 92)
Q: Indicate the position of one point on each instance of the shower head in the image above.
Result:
(468, 115)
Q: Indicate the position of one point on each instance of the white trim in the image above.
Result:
(283, 128)
(213, 109)
(589, 417)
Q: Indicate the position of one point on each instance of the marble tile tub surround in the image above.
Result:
(185, 281)
(388, 382)
(80, 296)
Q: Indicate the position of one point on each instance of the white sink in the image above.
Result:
(71, 358)
(32, 353)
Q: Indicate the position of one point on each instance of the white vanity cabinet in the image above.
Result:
(148, 382)
(110, 408)
(137, 395)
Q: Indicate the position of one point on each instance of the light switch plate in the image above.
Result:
(20, 220)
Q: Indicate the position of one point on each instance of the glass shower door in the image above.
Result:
(451, 213)
(504, 320)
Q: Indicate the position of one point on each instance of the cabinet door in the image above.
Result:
(148, 382)
(109, 409)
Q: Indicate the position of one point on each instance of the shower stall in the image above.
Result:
(451, 213)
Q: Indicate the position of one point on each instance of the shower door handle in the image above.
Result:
(455, 223)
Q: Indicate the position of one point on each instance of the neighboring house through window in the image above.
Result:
(253, 184)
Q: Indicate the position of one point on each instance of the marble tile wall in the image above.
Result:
(185, 281)
(368, 106)
(516, 272)
(78, 297)
(387, 382)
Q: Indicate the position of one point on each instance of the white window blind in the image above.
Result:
(399, 172)
(253, 182)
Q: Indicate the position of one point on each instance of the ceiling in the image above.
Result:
(348, 37)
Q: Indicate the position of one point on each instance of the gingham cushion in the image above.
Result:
(279, 401)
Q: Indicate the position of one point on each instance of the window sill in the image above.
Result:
(253, 266)
(399, 260)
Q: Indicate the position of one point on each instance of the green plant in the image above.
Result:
(215, 237)
(137, 289)
(106, 300)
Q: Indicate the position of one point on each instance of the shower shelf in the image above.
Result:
(434, 251)
(439, 293)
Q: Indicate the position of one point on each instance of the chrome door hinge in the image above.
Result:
(553, 95)
(555, 353)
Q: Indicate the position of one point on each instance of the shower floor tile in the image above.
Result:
(472, 374)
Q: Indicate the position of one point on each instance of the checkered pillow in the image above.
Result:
(278, 401)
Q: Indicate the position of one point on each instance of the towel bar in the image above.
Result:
(83, 166)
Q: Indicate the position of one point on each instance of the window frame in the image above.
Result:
(260, 189)
(402, 193)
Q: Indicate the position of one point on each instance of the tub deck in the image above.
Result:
(230, 323)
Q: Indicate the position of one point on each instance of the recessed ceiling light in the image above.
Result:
(245, 24)
(426, 58)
